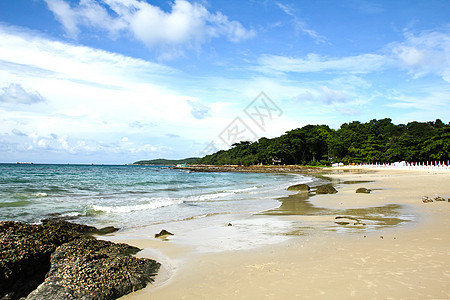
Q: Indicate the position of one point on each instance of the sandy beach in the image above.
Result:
(300, 250)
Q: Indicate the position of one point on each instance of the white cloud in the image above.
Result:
(93, 99)
(359, 64)
(18, 132)
(16, 94)
(186, 24)
(300, 25)
(425, 53)
(198, 110)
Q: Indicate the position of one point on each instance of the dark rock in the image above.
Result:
(94, 269)
(229, 224)
(299, 187)
(425, 199)
(326, 189)
(342, 223)
(363, 191)
(163, 233)
(25, 252)
(106, 230)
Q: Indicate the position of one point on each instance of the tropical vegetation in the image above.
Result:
(354, 142)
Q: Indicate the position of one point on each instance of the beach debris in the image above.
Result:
(381, 237)
(229, 224)
(163, 233)
(438, 198)
(363, 191)
(326, 189)
(299, 187)
(425, 199)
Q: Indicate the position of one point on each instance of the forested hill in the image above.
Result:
(167, 162)
(375, 141)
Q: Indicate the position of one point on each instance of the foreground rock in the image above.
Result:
(299, 187)
(94, 269)
(326, 189)
(363, 191)
(26, 254)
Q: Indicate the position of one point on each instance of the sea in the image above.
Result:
(130, 196)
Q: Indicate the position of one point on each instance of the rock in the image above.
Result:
(349, 218)
(163, 233)
(425, 199)
(26, 251)
(299, 187)
(229, 224)
(363, 191)
(342, 223)
(326, 189)
(438, 198)
(94, 269)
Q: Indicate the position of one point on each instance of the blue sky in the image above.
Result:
(115, 81)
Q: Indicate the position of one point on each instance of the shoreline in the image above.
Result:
(406, 260)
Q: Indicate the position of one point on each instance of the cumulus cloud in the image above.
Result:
(187, 24)
(15, 93)
(425, 53)
(198, 110)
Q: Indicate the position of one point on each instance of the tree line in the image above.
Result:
(354, 142)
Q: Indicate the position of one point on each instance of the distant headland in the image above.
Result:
(167, 162)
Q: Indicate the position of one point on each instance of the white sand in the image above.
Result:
(412, 260)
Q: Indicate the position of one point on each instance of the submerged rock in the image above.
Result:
(326, 189)
(26, 250)
(363, 191)
(163, 233)
(299, 187)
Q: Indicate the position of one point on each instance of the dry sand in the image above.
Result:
(314, 257)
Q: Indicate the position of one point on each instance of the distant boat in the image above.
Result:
(182, 165)
(24, 163)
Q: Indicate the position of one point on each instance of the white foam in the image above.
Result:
(154, 204)
(40, 194)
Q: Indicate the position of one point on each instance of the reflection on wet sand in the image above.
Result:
(311, 217)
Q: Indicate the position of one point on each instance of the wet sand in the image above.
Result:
(310, 247)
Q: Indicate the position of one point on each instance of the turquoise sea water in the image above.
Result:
(132, 196)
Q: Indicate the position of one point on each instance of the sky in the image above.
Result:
(116, 81)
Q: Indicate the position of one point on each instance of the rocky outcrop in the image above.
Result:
(363, 191)
(27, 251)
(94, 269)
(326, 189)
(299, 187)
(163, 233)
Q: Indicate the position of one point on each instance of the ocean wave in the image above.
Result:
(154, 204)
(207, 197)
(245, 189)
(40, 194)
(20, 203)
